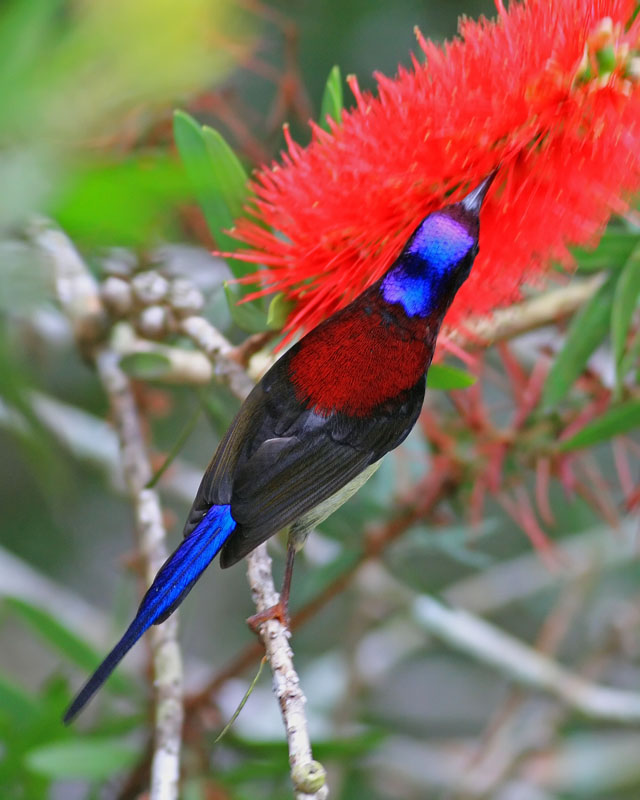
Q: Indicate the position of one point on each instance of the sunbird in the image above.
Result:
(315, 427)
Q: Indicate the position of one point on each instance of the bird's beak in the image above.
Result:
(473, 201)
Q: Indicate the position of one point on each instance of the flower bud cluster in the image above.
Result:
(607, 56)
(152, 302)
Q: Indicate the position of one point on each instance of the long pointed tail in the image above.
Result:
(171, 585)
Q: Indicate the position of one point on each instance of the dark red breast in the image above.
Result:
(367, 354)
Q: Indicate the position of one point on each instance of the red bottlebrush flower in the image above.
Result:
(550, 90)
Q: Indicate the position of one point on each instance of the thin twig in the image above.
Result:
(427, 495)
(167, 659)
(219, 350)
(176, 365)
(533, 313)
(524, 664)
(308, 776)
(77, 292)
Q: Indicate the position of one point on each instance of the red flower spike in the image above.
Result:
(549, 90)
(627, 484)
(543, 474)
(521, 512)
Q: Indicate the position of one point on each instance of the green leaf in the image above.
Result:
(615, 247)
(586, 331)
(618, 420)
(218, 178)
(249, 316)
(17, 703)
(625, 299)
(177, 447)
(120, 202)
(632, 356)
(230, 178)
(88, 759)
(279, 310)
(62, 639)
(146, 366)
(441, 376)
(332, 98)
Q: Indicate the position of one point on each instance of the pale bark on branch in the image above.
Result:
(524, 664)
(77, 293)
(308, 776)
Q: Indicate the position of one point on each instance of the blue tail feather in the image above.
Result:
(171, 585)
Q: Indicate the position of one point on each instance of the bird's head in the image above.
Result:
(438, 257)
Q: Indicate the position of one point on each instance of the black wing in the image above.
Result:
(300, 458)
(279, 460)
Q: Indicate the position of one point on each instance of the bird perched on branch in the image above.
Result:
(314, 429)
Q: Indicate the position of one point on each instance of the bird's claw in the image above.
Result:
(279, 611)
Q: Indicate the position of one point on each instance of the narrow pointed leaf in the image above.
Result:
(88, 759)
(632, 356)
(586, 332)
(71, 646)
(279, 309)
(442, 376)
(249, 316)
(177, 447)
(17, 703)
(146, 366)
(625, 300)
(616, 421)
(615, 247)
(229, 174)
(332, 98)
(218, 179)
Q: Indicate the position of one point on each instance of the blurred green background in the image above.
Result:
(88, 91)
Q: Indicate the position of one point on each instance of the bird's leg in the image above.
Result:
(280, 610)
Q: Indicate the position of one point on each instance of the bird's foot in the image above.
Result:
(279, 611)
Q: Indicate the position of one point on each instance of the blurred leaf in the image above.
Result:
(25, 278)
(146, 366)
(632, 357)
(349, 748)
(586, 331)
(249, 316)
(107, 58)
(279, 310)
(257, 770)
(456, 542)
(127, 202)
(616, 421)
(442, 376)
(322, 748)
(194, 790)
(218, 178)
(25, 29)
(177, 447)
(269, 758)
(62, 639)
(16, 703)
(34, 438)
(320, 577)
(615, 247)
(332, 98)
(625, 300)
(220, 408)
(88, 759)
